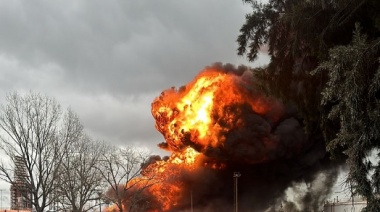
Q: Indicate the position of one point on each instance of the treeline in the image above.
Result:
(56, 165)
(325, 58)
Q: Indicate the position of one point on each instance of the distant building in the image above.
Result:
(348, 205)
(20, 193)
(14, 210)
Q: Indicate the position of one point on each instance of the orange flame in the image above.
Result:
(194, 119)
(159, 180)
(168, 190)
(194, 112)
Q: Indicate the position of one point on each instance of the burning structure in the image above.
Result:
(220, 123)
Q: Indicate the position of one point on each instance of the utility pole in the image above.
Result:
(236, 176)
(191, 200)
(1, 199)
(99, 193)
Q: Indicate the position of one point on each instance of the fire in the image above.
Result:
(202, 113)
(202, 123)
(168, 189)
(188, 157)
(196, 109)
(157, 180)
(190, 113)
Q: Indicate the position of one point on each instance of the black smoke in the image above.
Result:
(271, 151)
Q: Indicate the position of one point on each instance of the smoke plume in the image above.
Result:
(234, 127)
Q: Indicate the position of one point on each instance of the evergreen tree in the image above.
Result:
(299, 34)
(351, 99)
(330, 73)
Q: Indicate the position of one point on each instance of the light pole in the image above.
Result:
(1, 199)
(99, 192)
(236, 176)
(191, 199)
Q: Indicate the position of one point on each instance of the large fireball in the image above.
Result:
(213, 108)
(219, 123)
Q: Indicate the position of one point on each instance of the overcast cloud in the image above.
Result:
(108, 60)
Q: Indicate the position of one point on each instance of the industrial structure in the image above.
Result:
(20, 193)
(353, 204)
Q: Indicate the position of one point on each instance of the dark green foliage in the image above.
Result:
(329, 73)
(299, 34)
(350, 99)
(292, 30)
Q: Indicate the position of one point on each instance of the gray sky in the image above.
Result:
(108, 60)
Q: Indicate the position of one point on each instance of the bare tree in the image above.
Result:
(79, 180)
(30, 138)
(121, 168)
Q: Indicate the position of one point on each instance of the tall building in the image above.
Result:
(20, 193)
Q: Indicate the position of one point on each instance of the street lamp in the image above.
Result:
(236, 176)
(99, 198)
(1, 199)
(191, 199)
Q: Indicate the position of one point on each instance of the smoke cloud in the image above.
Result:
(251, 133)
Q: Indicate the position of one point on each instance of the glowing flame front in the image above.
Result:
(196, 121)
